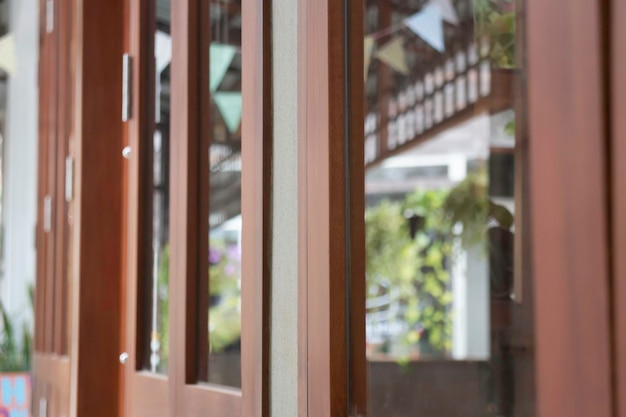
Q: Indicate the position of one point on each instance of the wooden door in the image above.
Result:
(196, 114)
(548, 349)
(51, 362)
(75, 370)
(145, 386)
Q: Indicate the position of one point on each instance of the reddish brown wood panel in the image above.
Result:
(150, 395)
(96, 302)
(205, 400)
(185, 226)
(320, 139)
(618, 176)
(257, 133)
(331, 207)
(145, 394)
(188, 204)
(61, 226)
(204, 178)
(357, 385)
(568, 192)
(48, 122)
(124, 244)
(50, 370)
(51, 384)
(42, 241)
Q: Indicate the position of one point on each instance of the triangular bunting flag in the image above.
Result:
(448, 11)
(162, 50)
(229, 105)
(392, 54)
(428, 25)
(368, 46)
(8, 58)
(220, 59)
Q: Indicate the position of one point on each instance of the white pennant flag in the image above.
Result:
(428, 25)
(220, 58)
(392, 53)
(162, 50)
(8, 58)
(447, 10)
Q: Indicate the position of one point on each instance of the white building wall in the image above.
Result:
(20, 159)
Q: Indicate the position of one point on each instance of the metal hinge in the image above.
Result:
(49, 16)
(43, 407)
(69, 179)
(127, 79)
(47, 214)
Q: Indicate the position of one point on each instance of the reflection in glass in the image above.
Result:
(448, 332)
(156, 287)
(3, 122)
(224, 223)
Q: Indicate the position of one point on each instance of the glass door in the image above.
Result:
(449, 300)
(196, 329)
(148, 81)
(454, 209)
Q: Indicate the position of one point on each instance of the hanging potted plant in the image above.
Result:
(495, 24)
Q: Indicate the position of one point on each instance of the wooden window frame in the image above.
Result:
(180, 392)
(569, 207)
(55, 129)
(330, 200)
(570, 264)
(615, 85)
(55, 255)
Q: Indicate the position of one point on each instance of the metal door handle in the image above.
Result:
(123, 358)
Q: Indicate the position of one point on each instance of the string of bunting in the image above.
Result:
(228, 103)
(220, 58)
(427, 24)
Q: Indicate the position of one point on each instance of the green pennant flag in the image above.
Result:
(220, 58)
(368, 45)
(392, 53)
(8, 57)
(229, 105)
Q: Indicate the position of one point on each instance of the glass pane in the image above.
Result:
(223, 110)
(156, 188)
(449, 306)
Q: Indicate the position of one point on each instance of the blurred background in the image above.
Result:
(19, 49)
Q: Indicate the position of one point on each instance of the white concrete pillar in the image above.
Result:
(284, 307)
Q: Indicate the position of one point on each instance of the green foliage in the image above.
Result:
(415, 264)
(412, 266)
(224, 287)
(392, 254)
(509, 128)
(495, 20)
(225, 290)
(163, 281)
(467, 205)
(225, 324)
(432, 285)
(14, 356)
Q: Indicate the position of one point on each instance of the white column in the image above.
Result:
(470, 294)
(284, 307)
(470, 289)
